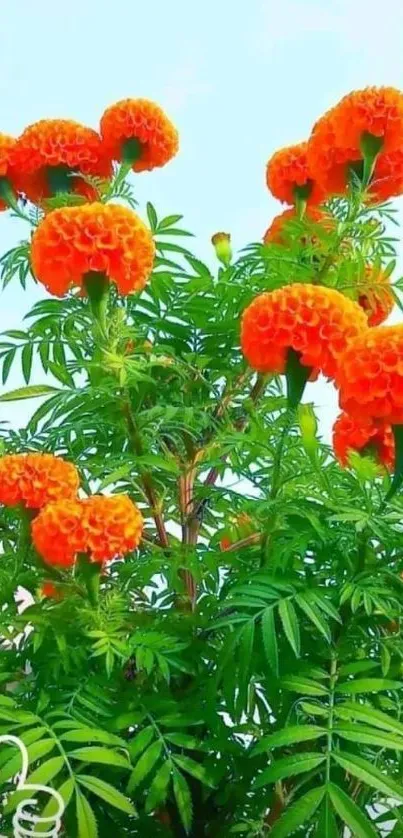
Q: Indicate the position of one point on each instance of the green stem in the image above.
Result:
(24, 537)
(91, 573)
(332, 684)
(398, 473)
(97, 287)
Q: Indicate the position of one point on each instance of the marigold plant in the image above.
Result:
(36, 479)
(315, 322)
(72, 242)
(55, 155)
(349, 435)
(138, 131)
(203, 637)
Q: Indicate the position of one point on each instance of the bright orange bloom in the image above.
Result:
(101, 527)
(387, 181)
(142, 121)
(36, 479)
(106, 238)
(370, 376)
(277, 232)
(328, 162)
(316, 322)
(377, 111)
(51, 149)
(350, 435)
(288, 173)
(6, 147)
(375, 296)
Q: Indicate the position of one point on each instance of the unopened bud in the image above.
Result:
(222, 245)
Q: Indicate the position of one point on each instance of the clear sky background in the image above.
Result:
(240, 78)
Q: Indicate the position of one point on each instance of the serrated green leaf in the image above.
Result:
(369, 715)
(288, 767)
(288, 736)
(34, 391)
(152, 217)
(26, 361)
(183, 800)
(350, 813)
(290, 625)
(304, 686)
(369, 736)
(270, 647)
(86, 820)
(106, 792)
(137, 745)
(35, 751)
(314, 615)
(145, 764)
(326, 826)
(366, 771)
(159, 787)
(106, 756)
(367, 685)
(196, 769)
(42, 776)
(299, 813)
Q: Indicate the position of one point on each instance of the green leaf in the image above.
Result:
(270, 647)
(89, 734)
(152, 217)
(105, 756)
(314, 615)
(288, 736)
(145, 764)
(86, 821)
(107, 792)
(367, 685)
(183, 740)
(368, 714)
(26, 361)
(35, 751)
(366, 771)
(137, 745)
(326, 826)
(398, 470)
(7, 363)
(290, 625)
(42, 776)
(194, 768)
(305, 686)
(183, 800)
(299, 813)
(351, 815)
(369, 736)
(288, 767)
(34, 391)
(159, 786)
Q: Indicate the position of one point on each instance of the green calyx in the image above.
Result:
(370, 147)
(131, 150)
(7, 193)
(296, 376)
(59, 179)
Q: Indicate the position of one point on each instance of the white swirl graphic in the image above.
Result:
(22, 815)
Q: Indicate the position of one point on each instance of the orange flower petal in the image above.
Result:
(144, 121)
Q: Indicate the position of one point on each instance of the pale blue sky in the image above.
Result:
(238, 78)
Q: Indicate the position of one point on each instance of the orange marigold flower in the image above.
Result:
(6, 147)
(329, 163)
(102, 238)
(288, 175)
(316, 322)
(50, 156)
(138, 131)
(377, 111)
(387, 181)
(50, 591)
(277, 232)
(350, 435)
(375, 295)
(101, 527)
(36, 479)
(370, 376)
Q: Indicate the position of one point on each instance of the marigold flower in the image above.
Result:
(138, 131)
(277, 232)
(288, 175)
(50, 156)
(375, 295)
(329, 163)
(50, 591)
(36, 479)
(375, 111)
(370, 376)
(350, 435)
(102, 238)
(101, 527)
(316, 322)
(6, 147)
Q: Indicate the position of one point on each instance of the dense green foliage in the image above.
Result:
(250, 691)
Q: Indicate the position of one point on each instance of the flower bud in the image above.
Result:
(308, 427)
(222, 245)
